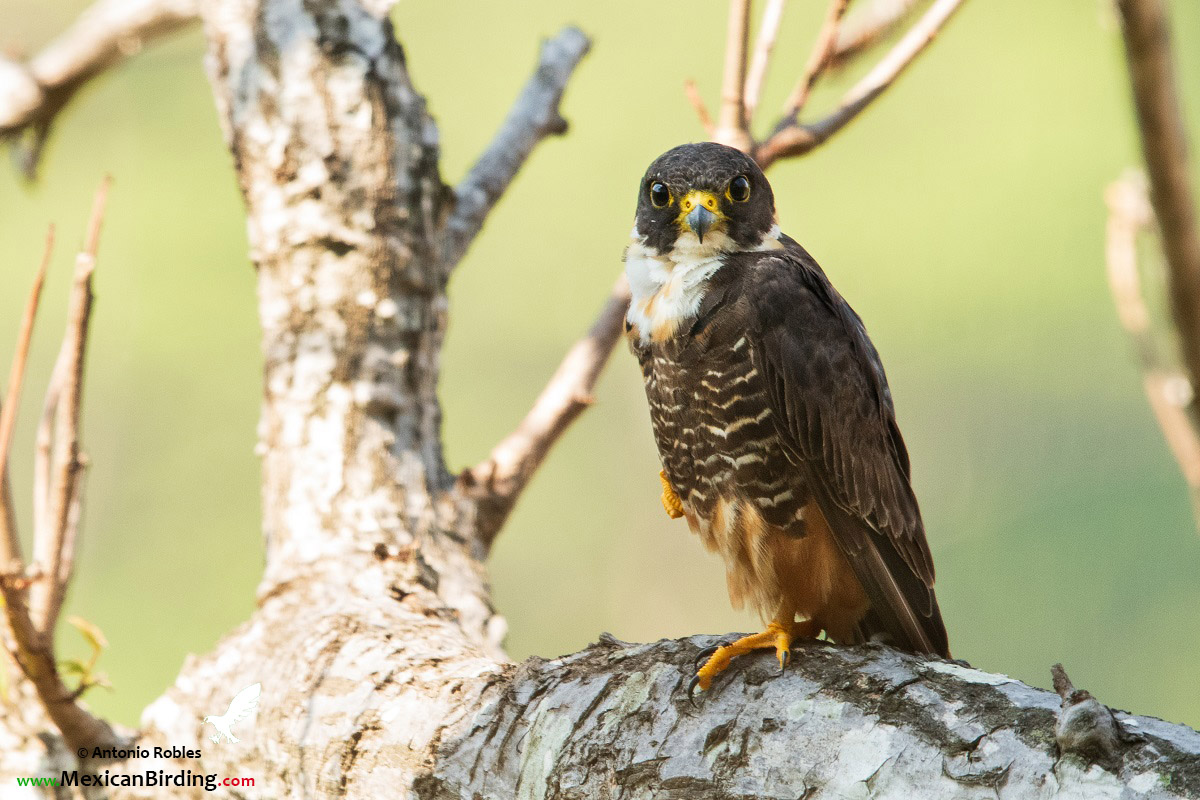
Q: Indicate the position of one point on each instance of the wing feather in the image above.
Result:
(833, 410)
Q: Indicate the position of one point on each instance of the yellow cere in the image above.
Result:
(695, 198)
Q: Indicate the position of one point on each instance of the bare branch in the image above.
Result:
(31, 632)
(43, 448)
(818, 59)
(864, 29)
(533, 117)
(732, 128)
(693, 96)
(35, 656)
(1167, 389)
(107, 33)
(1164, 147)
(792, 139)
(496, 483)
(54, 533)
(10, 555)
(768, 32)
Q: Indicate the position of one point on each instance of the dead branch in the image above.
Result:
(1167, 388)
(764, 45)
(1164, 147)
(732, 126)
(818, 59)
(11, 554)
(863, 30)
(533, 117)
(30, 632)
(55, 533)
(496, 483)
(794, 139)
(32, 93)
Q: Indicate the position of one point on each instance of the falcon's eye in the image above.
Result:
(739, 189)
(659, 195)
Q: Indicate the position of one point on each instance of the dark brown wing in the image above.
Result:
(833, 409)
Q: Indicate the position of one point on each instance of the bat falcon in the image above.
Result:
(772, 416)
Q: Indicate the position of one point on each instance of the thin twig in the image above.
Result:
(44, 447)
(11, 554)
(1164, 148)
(794, 139)
(108, 32)
(33, 643)
(54, 543)
(693, 96)
(818, 59)
(496, 483)
(533, 117)
(1167, 389)
(764, 45)
(863, 30)
(731, 115)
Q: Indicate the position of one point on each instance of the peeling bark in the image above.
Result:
(375, 640)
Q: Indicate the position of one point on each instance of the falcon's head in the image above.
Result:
(704, 199)
(697, 205)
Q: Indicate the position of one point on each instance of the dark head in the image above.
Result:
(704, 195)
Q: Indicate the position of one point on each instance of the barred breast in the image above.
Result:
(715, 434)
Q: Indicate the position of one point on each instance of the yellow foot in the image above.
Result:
(776, 636)
(670, 500)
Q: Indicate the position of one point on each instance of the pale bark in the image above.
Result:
(34, 92)
(375, 641)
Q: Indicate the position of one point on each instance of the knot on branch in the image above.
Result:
(1086, 727)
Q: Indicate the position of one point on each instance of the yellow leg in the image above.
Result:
(670, 500)
(777, 635)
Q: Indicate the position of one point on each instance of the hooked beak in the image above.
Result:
(700, 220)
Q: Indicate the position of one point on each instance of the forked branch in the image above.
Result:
(33, 598)
(56, 530)
(793, 138)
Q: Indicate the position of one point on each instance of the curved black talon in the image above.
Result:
(703, 656)
(691, 690)
(787, 659)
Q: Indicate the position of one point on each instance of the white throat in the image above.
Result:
(668, 289)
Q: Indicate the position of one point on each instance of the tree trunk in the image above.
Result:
(375, 640)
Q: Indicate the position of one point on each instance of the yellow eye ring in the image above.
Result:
(660, 195)
(739, 189)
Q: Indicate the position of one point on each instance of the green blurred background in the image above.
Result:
(962, 215)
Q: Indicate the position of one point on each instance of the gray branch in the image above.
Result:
(32, 94)
(380, 697)
(533, 117)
